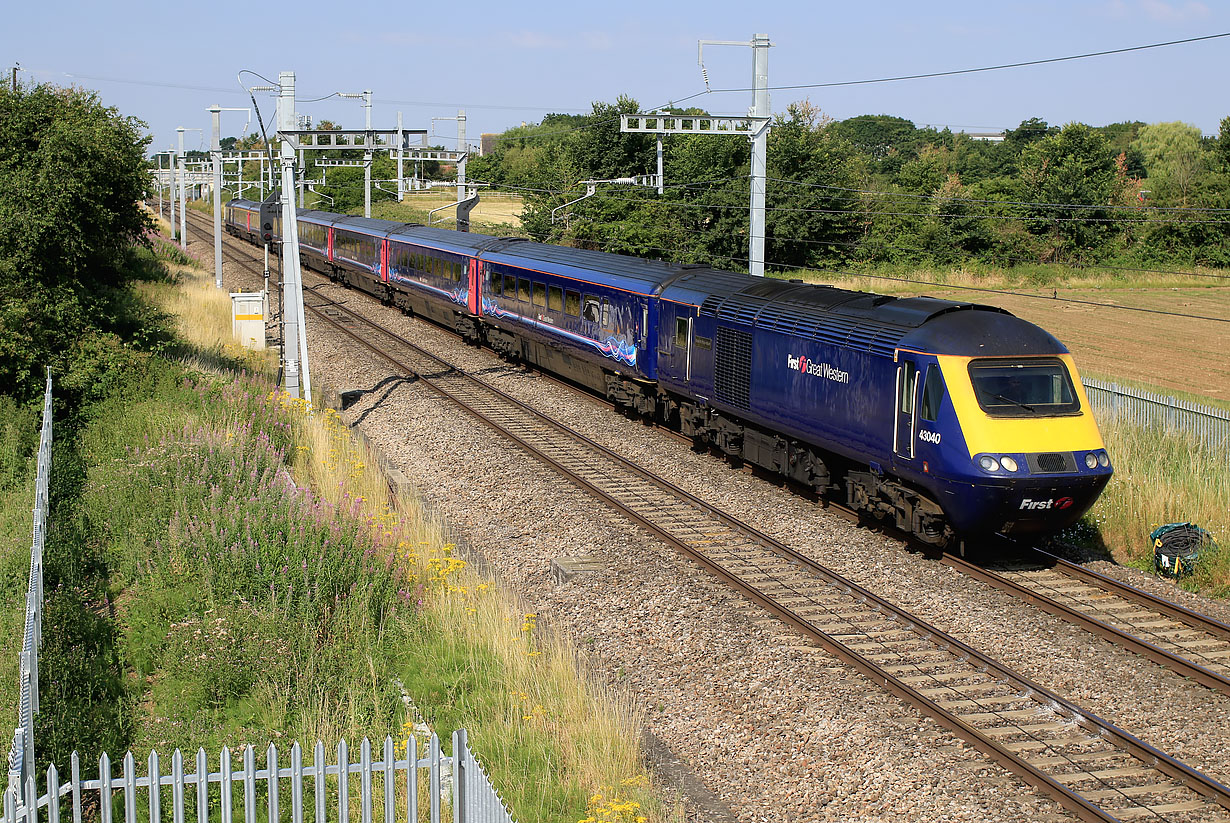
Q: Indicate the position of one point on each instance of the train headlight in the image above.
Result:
(988, 463)
(1103, 459)
(1091, 460)
(1008, 463)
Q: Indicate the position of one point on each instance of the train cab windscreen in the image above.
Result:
(1023, 388)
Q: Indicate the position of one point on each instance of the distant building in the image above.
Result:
(989, 136)
(487, 144)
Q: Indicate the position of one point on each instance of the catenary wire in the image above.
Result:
(1040, 204)
(955, 72)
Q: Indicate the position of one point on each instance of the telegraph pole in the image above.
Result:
(366, 97)
(183, 194)
(294, 351)
(401, 158)
(171, 193)
(462, 150)
(367, 155)
(760, 148)
(215, 149)
(461, 147)
(755, 126)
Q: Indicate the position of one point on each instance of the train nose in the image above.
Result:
(1043, 509)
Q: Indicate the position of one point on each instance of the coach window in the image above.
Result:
(933, 390)
(510, 286)
(590, 310)
(555, 298)
(606, 314)
(572, 303)
(523, 289)
(540, 295)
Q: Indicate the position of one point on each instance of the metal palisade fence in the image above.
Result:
(21, 755)
(1143, 408)
(392, 790)
(458, 780)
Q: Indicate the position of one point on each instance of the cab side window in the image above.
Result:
(905, 388)
(933, 392)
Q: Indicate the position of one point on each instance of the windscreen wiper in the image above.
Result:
(1024, 406)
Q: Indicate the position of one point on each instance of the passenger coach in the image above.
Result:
(948, 419)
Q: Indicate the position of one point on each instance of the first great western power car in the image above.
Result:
(949, 419)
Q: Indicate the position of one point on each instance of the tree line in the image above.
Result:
(73, 237)
(878, 190)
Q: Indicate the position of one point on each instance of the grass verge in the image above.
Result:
(258, 583)
(909, 279)
(1161, 477)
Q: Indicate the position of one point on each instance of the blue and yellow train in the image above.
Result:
(948, 419)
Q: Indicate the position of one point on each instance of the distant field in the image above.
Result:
(1152, 348)
(493, 207)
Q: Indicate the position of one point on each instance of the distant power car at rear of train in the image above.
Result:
(950, 420)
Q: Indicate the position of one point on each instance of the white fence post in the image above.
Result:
(1209, 425)
(474, 799)
(21, 775)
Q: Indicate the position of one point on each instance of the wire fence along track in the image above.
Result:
(1148, 409)
(21, 755)
(387, 790)
(1091, 767)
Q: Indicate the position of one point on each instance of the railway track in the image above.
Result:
(1192, 644)
(1189, 643)
(1094, 769)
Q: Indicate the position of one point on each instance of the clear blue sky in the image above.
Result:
(508, 62)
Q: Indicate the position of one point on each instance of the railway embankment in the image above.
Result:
(227, 568)
(773, 725)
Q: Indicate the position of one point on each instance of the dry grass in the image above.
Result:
(1040, 278)
(539, 695)
(534, 699)
(496, 208)
(1162, 477)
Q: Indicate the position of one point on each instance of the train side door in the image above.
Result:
(472, 297)
(675, 328)
(905, 412)
(685, 322)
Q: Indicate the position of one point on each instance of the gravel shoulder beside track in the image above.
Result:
(779, 730)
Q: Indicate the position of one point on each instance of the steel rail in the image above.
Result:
(1067, 797)
(1194, 619)
(1070, 799)
(1167, 659)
